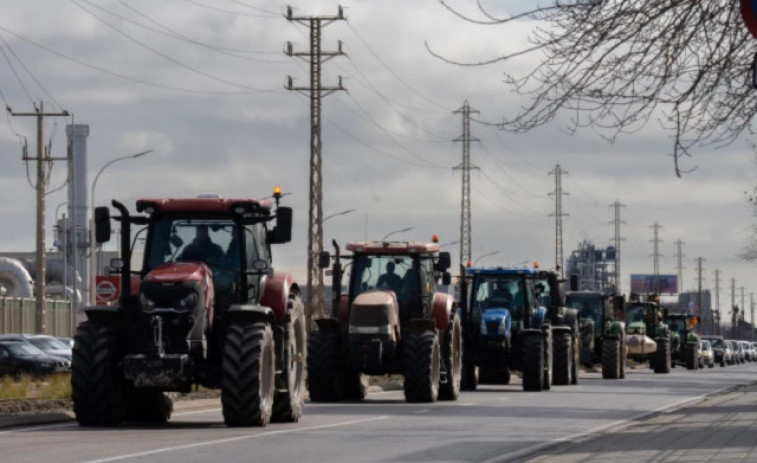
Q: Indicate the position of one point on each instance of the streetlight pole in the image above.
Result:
(92, 243)
(338, 213)
(397, 231)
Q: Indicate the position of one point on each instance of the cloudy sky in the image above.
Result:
(201, 82)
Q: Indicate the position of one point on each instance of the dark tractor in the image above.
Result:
(684, 344)
(513, 319)
(206, 309)
(603, 331)
(391, 321)
(649, 338)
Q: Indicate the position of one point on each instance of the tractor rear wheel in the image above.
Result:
(548, 360)
(422, 364)
(290, 381)
(452, 353)
(355, 385)
(533, 361)
(692, 356)
(623, 358)
(325, 378)
(562, 359)
(611, 353)
(662, 357)
(248, 374)
(97, 385)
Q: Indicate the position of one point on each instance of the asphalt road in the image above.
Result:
(495, 423)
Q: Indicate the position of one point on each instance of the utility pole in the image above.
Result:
(617, 222)
(315, 57)
(734, 309)
(699, 287)
(465, 166)
(656, 255)
(44, 167)
(717, 303)
(751, 316)
(559, 214)
(679, 256)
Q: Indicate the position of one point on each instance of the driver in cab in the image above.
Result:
(202, 248)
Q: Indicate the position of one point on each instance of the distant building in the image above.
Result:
(592, 268)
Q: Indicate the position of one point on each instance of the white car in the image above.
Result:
(706, 355)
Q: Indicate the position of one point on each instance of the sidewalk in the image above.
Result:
(721, 428)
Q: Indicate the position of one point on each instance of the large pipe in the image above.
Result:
(15, 279)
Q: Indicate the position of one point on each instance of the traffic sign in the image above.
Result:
(107, 289)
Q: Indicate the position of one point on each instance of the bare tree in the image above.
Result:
(616, 64)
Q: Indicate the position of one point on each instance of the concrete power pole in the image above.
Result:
(44, 166)
(465, 166)
(617, 239)
(656, 255)
(699, 287)
(751, 316)
(734, 309)
(717, 303)
(315, 57)
(679, 256)
(559, 214)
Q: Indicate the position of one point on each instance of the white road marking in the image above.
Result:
(426, 410)
(230, 439)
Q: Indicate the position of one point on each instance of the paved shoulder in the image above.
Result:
(718, 428)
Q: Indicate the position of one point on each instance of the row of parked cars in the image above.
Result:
(34, 354)
(718, 350)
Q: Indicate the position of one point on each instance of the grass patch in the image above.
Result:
(27, 387)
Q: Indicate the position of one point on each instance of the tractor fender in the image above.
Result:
(442, 310)
(101, 312)
(276, 293)
(616, 329)
(252, 312)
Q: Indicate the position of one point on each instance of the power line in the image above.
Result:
(221, 10)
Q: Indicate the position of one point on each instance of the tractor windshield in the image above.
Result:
(589, 306)
(635, 313)
(211, 241)
(678, 324)
(499, 291)
(398, 273)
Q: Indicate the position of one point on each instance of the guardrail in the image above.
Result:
(18, 315)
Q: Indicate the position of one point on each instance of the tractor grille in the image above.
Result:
(492, 326)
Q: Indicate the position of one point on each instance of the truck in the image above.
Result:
(206, 309)
(603, 331)
(514, 319)
(684, 344)
(649, 338)
(391, 320)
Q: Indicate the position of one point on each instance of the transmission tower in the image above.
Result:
(656, 256)
(315, 57)
(679, 257)
(617, 239)
(465, 167)
(559, 214)
(44, 166)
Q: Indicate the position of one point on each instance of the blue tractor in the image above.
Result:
(514, 319)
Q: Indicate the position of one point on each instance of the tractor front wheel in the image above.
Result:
(422, 366)
(662, 357)
(452, 351)
(533, 361)
(562, 358)
(325, 378)
(248, 374)
(692, 356)
(290, 381)
(611, 352)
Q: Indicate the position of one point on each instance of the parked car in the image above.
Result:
(720, 351)
(738, 351)
(747, 351)
(19, 357)
(43, 342)
(69, 342)
(706, 355)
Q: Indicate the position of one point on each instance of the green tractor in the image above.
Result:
(649, 338)
(603, 337)
(684, 342)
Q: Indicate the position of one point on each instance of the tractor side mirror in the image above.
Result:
(102, 224)
(282, 232)
(324, 259)
(443, 262)
(446, 278)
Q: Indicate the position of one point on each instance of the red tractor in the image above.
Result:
(206, 309)
(392, 320)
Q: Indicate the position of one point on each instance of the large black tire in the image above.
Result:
(290, 379)
(692, 356)
(147, 406)
(571, 320)
(561, 357)
(422, 366)
(470, 370)
(97, 384)
(623, 357)
(452, 355)
(325, 378)
(611, 354)
(355, 385)
(662, 357)
(533, 361)
(548, 360)
(722, 361)
(248, 374)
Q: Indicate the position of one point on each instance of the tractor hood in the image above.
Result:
(176, 272)
(375, 312)
(495, 322)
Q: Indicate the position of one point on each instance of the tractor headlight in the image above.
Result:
(147, 303)
(189, 301)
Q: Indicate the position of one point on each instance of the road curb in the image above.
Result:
(532, 451)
